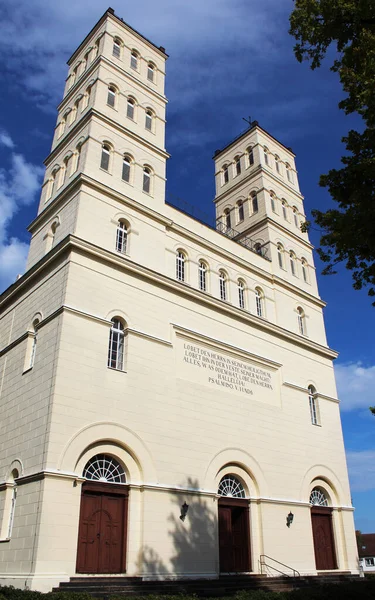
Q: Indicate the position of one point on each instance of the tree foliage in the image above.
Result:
(349, 228)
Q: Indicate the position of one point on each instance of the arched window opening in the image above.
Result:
(280, 255)
(237, 165)
(130, 108)
(259, 302)
(258, 248)
(111, 96)
(231, 487)
(266, 156)
(150, 72)
(318, 497)
(35, 335)
(87, 59)
(116, 50)
(289, 173)
(15, 475)
(250, 156)
(126, 167)
(116, 345)
(313, 406)
(301, 321)
(241, 293)
(61, 128)
(104, 468)
(134, 60)
(104, 161)
(273, 201)
(180, 266)
(277, 163)
(121, 237)
(96, 48)
(147, 180)
(227, 217)
(149, 119)
(285, 214)
(202, 276)
(225, 174)
(254, 202)
(241, 212)
(295, 216)
(304, 270)
(223, 285)
(77, 157)
(292, 260)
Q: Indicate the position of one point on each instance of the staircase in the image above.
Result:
(228, 585)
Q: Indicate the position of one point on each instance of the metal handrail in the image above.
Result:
(264, 563)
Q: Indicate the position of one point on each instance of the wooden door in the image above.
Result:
(102, 530)
(325, 557)
(234, 536)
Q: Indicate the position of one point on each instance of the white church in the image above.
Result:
(167, 396)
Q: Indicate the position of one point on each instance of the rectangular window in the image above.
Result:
(313, 411)
(104, 163)
(126, 171)
(116, 50)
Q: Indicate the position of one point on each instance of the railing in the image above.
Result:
(247, 242)
(265, 566)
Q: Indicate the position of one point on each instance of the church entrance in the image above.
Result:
(103, 517)
(324, 549)
(234, 538)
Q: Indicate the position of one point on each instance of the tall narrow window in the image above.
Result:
(250, 156)
(202, 276)
(33, 345)
(277, 163)
(259, 302)
(312, 405)
(292, 260)
(254, 202)
(130, 108)
(116, 345)
(241, 213)
(223, 285)
(121, 237)
(116, 50)
(126, 166)
(273, 203)
(285, 214)
(301, 321)
(150, 72)
(111, 96)
(295, 216)
(225, 174)
(237, 165)
(147, 180)
(104, 161)
(149, 119)
(227, 218)
(241, 294)
(14, 476)
(180, 266)
(266, 157)
(134, 60)
(289, 173)
(304, 270)
(77, 157)
(280, 255)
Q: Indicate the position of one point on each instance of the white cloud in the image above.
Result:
(361, 466)
(6, 140)
(18, 187)
(356, 385)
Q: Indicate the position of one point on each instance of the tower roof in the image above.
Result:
(254, 125)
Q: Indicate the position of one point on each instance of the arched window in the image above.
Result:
(289, 173)
(295, 216)
(96, 48)
(87, 58)
(116, 345)
(104, 160)
(116, 50)
(285, 214)
(77, 157)
(14, 475)
(237, 165)
(231, 487)
(104, 468)
(259, 300)
(258, 248)
(134, 60)
(180, 266)
(50, 240)
(150, 72)
(318, 497)
(225, 174)
(146, 186)
(61, 128)
(126, 168)
(130, 108)
(292, 261)
(33, 345)
(254, 202)
(240, 211)
(273, 201)
(72, 115)
(277, 163)
(241, 293)
(250, 156)
(301, 321)
(305, 270)
(121, 237)
(266, 157)
(149, 117)
(280, 255)
(111, 96)
(227, 217)
(202, 276)
(223, 285)
(313, 406)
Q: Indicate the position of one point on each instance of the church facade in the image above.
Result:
(168, 402)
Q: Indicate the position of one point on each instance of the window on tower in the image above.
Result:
(266, 156)
(149, 119)
(225, 172)
(111, 96)
(116, 50)
(293, 266)
(285, 213)
(106, 153)
(227, 218)
(180, 265)
(121, 237)
(259, 302)
(151, 72)
(289, 172)
(250, 156)
(116, 345)
(237, 165)
(202, 271)
(305, 270)
(130, 108)
(146, 180)
(134, 59)
(241, 293)
(126, 168)
(301, 321)
(254, 202)
(241, 212)
(223, 285)
(280, 255)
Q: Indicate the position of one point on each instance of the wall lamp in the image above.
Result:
(289, 519)
(184, 511)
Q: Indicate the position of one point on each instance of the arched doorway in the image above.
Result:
(321, 520)
(234, 526)
(103, 517)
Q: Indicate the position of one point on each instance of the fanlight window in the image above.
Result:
(231, 487)
(105, 468)
(318, 498)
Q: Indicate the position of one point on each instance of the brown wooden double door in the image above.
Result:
(102, 529)
(324, 548)
(234, 536)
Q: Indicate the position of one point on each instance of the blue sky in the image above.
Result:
(228, 59)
